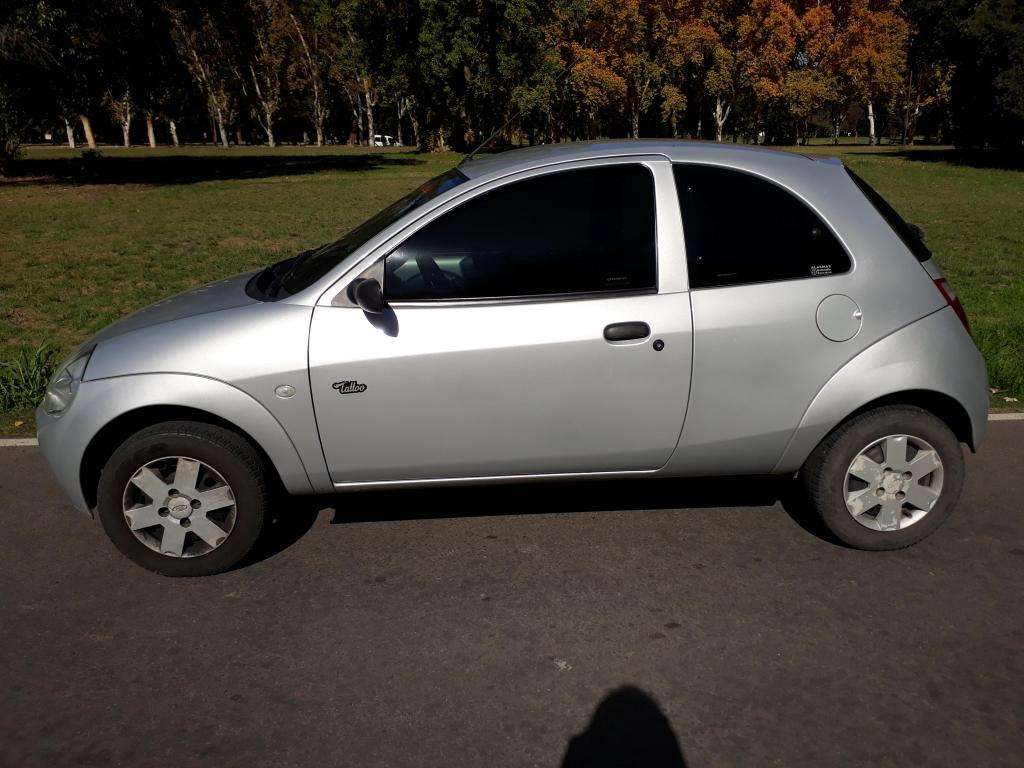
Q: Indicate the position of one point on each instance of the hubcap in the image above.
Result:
(179, 507)
(893, 483)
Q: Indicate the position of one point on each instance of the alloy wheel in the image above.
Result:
(893, 483)
(179, 506)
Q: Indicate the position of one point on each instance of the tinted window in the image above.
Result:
(310, 266)
(571, 232)
(904, 231)
(742, 229)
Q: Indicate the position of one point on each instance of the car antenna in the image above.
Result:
(489, 139)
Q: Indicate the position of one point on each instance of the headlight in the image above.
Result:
(64, 385)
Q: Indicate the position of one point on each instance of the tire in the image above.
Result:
(826, 485)
(213, 457)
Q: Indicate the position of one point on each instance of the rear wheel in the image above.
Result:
(184, 498)
(885, 479)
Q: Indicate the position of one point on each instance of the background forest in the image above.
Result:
(445, 74)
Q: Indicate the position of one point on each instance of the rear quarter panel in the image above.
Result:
(759, 359)
(933, 354)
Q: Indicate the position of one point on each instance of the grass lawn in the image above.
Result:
(85, 240)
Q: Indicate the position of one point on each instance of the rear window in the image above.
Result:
(903, 230)
(742, 229)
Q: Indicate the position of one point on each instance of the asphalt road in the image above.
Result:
(496, 627)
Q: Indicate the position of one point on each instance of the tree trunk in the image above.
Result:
(126, 126)
(71, 133)
(914, 115)
(218, 118)
(871, 124)
(415, 123)
(835, 131)
(721, 115)
(270, 131)
(149, 131)
(319, 107)
(174, 132)
(634, 123)
(90, 140)
(369, 122)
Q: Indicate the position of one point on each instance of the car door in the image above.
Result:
(532, 327)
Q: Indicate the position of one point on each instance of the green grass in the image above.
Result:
(84, 241)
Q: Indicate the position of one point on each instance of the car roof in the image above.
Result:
(674, 149)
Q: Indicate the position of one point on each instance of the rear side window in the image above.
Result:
(583, 231)
(743, 229)
(903, 230)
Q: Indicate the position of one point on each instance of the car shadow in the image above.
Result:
(557, 496)
(188, 169)
(627, 729)
(296, 515)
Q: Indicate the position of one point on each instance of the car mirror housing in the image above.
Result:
(368, 295)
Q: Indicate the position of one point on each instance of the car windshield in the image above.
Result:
(310, 266)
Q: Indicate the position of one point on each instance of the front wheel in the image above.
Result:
(184, 498)
(886, 479)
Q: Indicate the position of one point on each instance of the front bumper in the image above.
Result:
(63, 450)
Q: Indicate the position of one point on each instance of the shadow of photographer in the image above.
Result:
(627, 729)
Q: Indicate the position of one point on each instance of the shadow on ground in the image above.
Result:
(187, 169)
(298, 514)
(628, 730)
(973, 158)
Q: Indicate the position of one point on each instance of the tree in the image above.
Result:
(707, 43)
(264, 37)
(874, 44)
(768, 35)
(204, 52)
(26, 32)
(310, 23)
(988, 84)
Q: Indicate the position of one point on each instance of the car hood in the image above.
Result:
(213, 297)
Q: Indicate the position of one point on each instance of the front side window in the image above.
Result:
(742, 229)
(579, 231)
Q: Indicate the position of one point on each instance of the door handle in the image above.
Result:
(626, 331)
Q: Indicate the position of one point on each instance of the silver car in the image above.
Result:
(597, 310)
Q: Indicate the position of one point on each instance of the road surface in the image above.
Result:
(530, 626)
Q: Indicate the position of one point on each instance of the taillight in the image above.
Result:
(951, 298)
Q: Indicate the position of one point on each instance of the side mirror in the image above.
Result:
(368, 296)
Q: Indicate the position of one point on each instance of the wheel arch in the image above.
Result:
(944, 407)
(931, 363)
(115, 432)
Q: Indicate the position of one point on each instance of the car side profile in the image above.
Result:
(580, 311)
